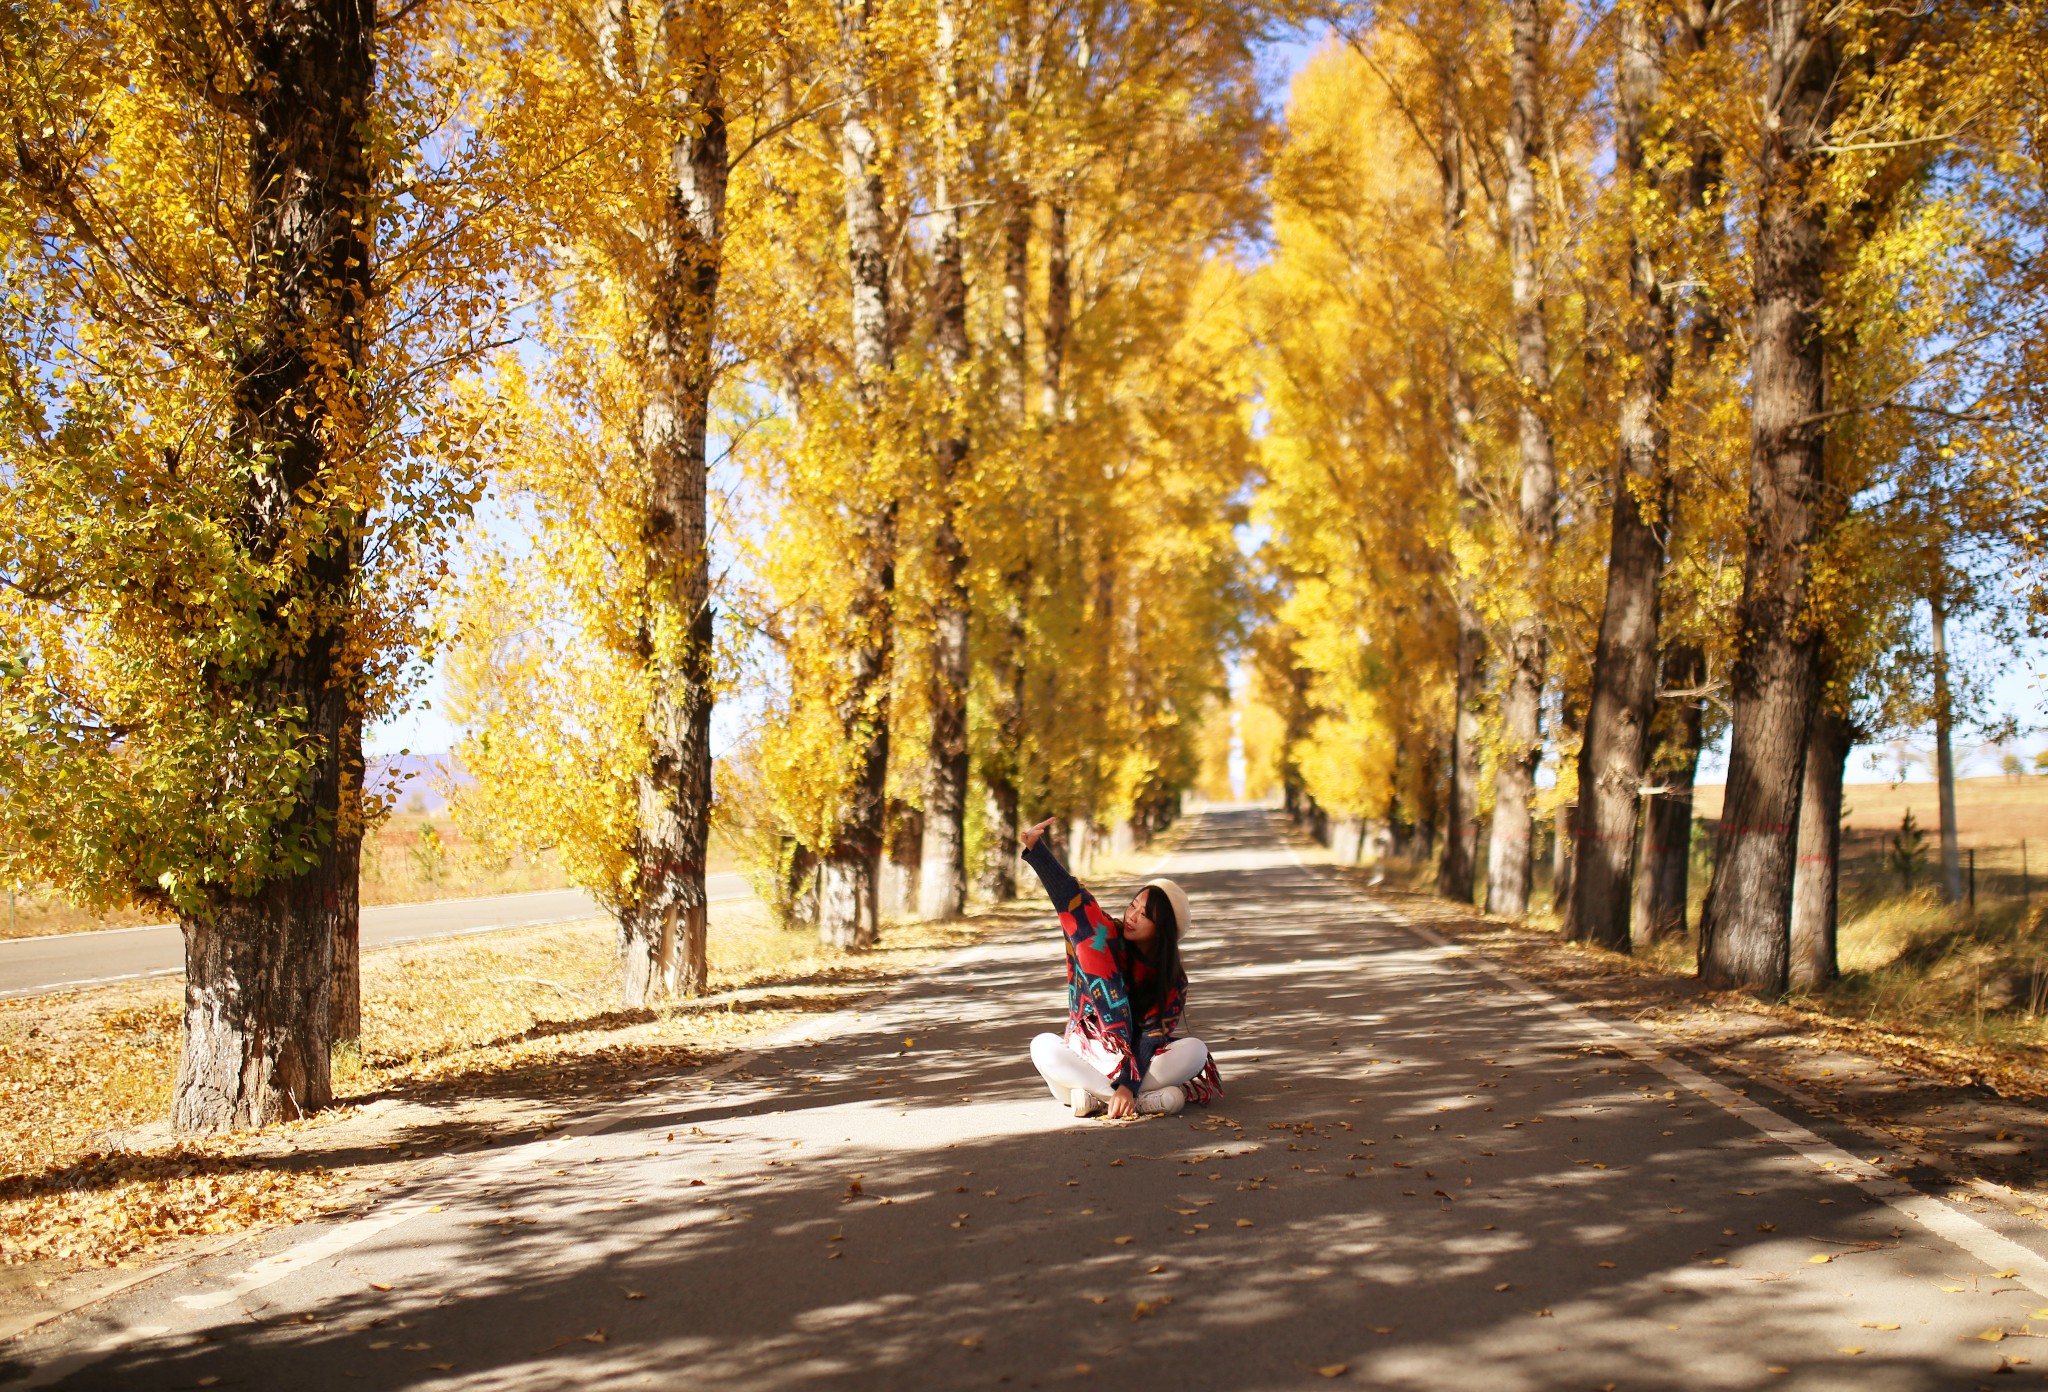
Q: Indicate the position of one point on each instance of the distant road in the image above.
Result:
(61, 962)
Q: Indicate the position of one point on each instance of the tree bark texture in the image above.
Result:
(1745, 927)
(1816, 884)
(1457, 870)
(662, 926)
(942, 882)
(1663, 869)
(1002, 770)
(345, 994)
(902, 860)
(1616, 749)
(1508, 863)
(1944, 754)
(849, 869)
(258, 1020)
(1059, 309)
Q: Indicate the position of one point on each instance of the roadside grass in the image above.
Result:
(1956, 992)
(464, 1039)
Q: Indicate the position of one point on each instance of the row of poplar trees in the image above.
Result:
(860, 363)
(1643, 374)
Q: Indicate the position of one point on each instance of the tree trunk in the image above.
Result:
(1664, 869)
(1003, 769)
(849, 870)
(345, 995)
(1615, 751)
(1944, 756)
(1745, 927)
(1508, 862)
(1563, 854)
(1456, 871)
(1059, 299)
(259, 1021)
(942, 881)
(662, 927)
(1816, 884)
(902, 859)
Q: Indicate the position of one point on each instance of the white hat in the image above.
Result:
(1177, 897)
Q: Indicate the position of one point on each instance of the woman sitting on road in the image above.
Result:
(1125, 995)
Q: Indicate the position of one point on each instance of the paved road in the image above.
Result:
(34, 966)
(1423, 1176)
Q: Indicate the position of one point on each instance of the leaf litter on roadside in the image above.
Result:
(89, 1175)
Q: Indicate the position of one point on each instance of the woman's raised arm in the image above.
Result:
(1061, 887)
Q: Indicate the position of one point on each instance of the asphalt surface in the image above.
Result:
(1423, 1175)
(66, 961)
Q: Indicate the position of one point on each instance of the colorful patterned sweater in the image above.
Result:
(1102, 970)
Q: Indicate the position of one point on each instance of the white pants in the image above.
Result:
(1064, 1070)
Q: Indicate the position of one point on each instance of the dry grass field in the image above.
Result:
(1989, 811)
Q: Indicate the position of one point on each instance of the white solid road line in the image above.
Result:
(1954, 1225)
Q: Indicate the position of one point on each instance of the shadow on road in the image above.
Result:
(1415, 1179)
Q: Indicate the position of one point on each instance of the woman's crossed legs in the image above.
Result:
(1064, 1070)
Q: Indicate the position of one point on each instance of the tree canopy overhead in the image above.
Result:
(1529, 395)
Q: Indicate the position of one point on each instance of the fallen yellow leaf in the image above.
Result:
(1851, 1349)
(1244, 1222)
(1334, 1369)
(1821, 1258)
(1885, 1324)
(1124, 1241)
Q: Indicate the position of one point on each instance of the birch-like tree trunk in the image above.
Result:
(1615, 752)
(1746, 926)
(662, 926)
(1508, 863)
(849, 870)
(1457, 870)
(1816, 884)
(942, 882)
(258, 1019)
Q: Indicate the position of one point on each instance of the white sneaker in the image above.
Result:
(1166, 1100)
(1085, 1103)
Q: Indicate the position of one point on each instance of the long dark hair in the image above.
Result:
(1164, 956)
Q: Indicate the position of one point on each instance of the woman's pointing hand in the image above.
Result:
(1031, 835)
